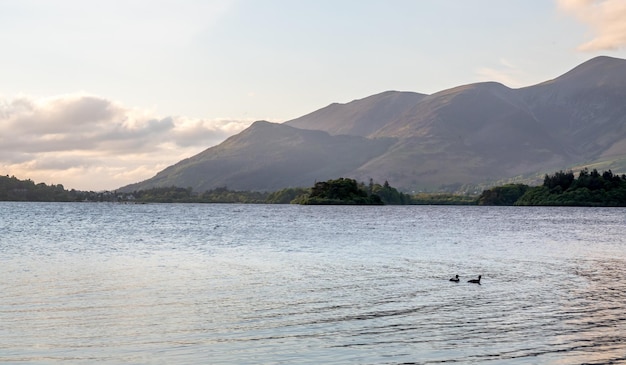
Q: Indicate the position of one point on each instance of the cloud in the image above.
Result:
(90, 143)
(606, 18)
(505, 72)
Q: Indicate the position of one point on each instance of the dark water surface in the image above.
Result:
(266, 284)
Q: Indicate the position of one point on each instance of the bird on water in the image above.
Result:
(475, 281)
(455, 279)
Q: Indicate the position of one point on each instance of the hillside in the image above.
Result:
(472, 134)
(267, 157)
(359, 117)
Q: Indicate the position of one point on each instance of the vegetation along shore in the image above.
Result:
(563, 188)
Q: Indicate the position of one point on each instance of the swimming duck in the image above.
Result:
(455, 279)
(475, 281)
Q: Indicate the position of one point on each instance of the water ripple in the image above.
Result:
(277, 285)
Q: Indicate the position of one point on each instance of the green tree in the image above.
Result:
(502, 195)
(390, 195)
(287, 196)
(340, 191)
(562, 180)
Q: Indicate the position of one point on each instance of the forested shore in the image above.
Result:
(563, 188)
(337, 191)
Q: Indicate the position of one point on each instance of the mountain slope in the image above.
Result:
(584, 109)
(267, 157)
(471, 134)
(360, 117)
(466, 135)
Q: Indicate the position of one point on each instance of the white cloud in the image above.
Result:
(91, 143)
(606, 18)
(504, 72)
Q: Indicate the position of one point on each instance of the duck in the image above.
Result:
(455, 279)
(475, 281)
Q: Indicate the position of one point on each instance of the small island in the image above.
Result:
(340, 191)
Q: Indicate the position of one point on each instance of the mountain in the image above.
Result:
(473, 134)
(269, 156)
(359, 117)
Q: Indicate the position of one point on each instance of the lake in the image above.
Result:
(285, 284)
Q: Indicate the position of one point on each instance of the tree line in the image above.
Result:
(14, 189)
(334, 191)
(563, 188)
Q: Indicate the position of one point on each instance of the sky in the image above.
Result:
(98, 94)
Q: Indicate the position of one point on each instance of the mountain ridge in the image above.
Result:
(474, 134)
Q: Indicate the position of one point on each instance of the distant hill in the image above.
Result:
(360, 117)
(476, 134)
(267, 157)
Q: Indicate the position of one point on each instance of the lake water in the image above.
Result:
(282, 284)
